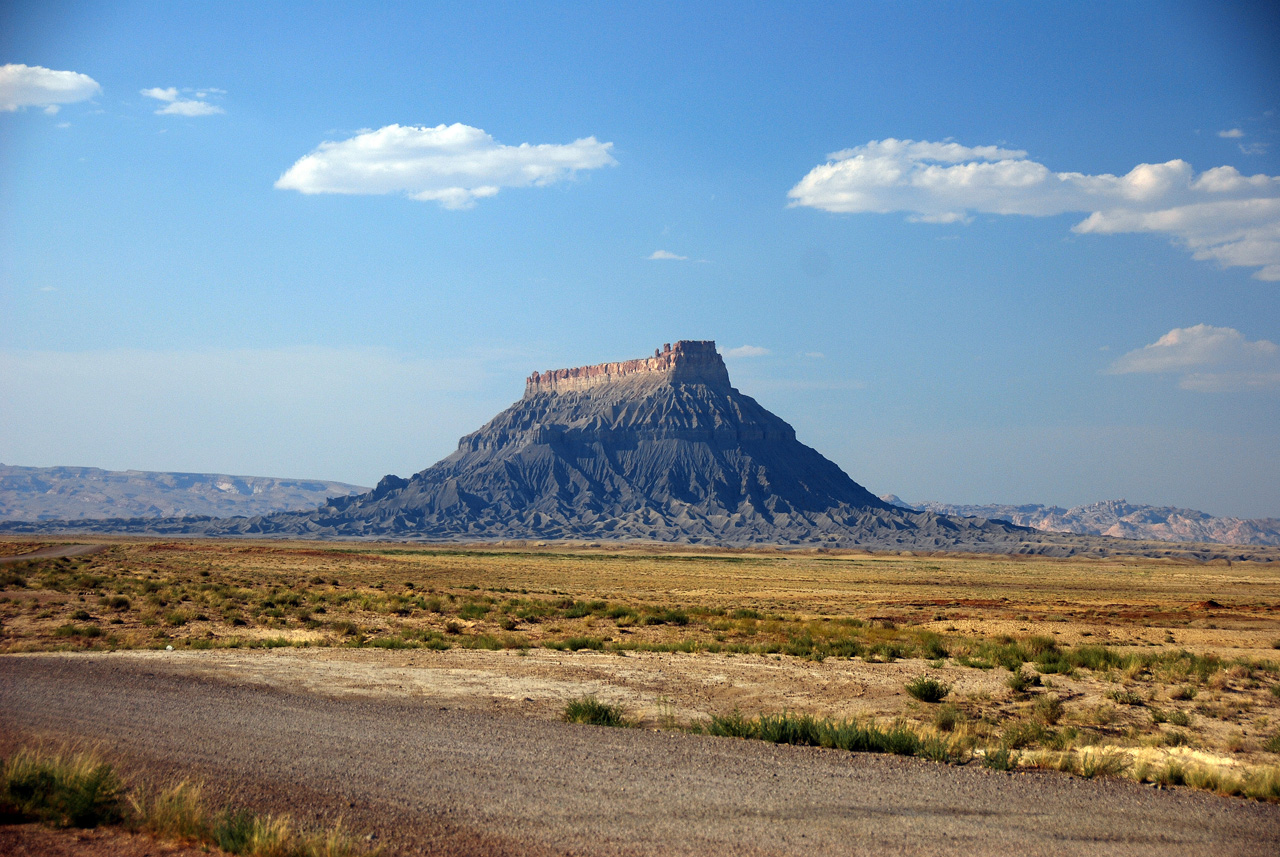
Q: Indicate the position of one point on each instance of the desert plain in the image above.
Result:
(1158, 671)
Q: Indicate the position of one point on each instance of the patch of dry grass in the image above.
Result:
(1129, 653)
(68, 787)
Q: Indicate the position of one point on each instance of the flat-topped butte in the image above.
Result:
(689, 360)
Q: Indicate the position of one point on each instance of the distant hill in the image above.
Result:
(72, 493)
(1118, 518)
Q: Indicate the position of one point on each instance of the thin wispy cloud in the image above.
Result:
(1219, 215)
(24, 86)
(1208, 359)
(661, 255)
(1231, 134)
(176, 105)
(746, 351)
(455, 165)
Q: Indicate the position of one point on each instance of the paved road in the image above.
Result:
(428, 779)
(54, 551)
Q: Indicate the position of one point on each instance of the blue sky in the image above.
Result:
(327, 240)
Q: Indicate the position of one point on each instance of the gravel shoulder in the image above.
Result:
(451, 760)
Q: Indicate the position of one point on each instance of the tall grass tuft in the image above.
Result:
(242, 832)
(176, 812)
(76, 789)
(1096, 763)
(62, 789)
(1002, 758)
(855, 736)
(590, 710)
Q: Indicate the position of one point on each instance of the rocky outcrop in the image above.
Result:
(693, 362)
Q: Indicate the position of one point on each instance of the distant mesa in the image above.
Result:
(655, 449)
(1118, 519)
(70, 493)
(659, 448)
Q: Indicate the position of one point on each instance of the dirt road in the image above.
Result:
(54, 551)
(428, 777)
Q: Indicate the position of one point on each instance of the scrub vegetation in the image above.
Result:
(64, 787)
(1159, 669)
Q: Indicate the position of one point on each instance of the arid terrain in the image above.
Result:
(1159, 671)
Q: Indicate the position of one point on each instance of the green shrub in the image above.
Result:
(1126, 697)
(1040, 645)
(74, 790)
(1021, 735)
(10, 579)
(802, 730)
(1000, 758)
(946, 717)
(177, 812)
(1053, 662)
(234, 831)
(588, 709)
(1048, 709)
(928, 689)
(1097, 763)
(574, 644)
(732, 725)
(579, 609)
(933, 647)
(1020, 681)
(78, 631)
(667, 617)
(1096, 658)
(473, 610)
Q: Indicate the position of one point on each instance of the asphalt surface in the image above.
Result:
(426, 778)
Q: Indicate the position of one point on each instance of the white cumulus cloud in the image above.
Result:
(746, 351)
(452, 164)
(667, 254)
(1231, 134)
(176, 105)
(1219, 214)
(37, 86)
(1209, 359)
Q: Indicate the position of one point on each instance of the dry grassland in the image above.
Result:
(1166, 670)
